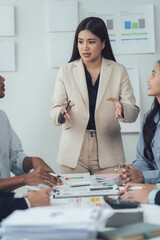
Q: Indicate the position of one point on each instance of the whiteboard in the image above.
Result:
(63, 16)
(60, 48)
(7, 55)
(133, 72)
(7, 20)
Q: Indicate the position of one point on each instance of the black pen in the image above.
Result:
(64, 112)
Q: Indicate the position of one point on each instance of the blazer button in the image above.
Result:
(97, 119)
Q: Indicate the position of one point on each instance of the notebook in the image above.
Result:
(136, 231)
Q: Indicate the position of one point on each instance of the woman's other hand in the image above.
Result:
(118, 108)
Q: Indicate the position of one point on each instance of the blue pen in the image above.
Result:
(120, 166)
(64, 112)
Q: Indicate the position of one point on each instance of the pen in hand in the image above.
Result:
(56, 175)
(59, 181)
(64, 112)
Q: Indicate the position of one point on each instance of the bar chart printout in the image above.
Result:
(109, 17)
(137, 30)
(130, 29)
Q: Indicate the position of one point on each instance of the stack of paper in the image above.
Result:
(53, 223)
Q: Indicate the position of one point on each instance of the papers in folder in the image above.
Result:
(81, 185)
(53, 223)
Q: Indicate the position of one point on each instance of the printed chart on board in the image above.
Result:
(130, 29)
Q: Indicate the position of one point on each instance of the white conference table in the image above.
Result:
(151, 213)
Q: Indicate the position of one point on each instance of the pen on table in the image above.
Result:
(56, 175)
(131, 188)
(64, 112)
(134, 188)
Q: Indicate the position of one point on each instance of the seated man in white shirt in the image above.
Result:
(13, 159)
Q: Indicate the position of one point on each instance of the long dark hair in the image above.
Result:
(98, 28)
(149, 129)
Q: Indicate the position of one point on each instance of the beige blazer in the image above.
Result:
(71, 85)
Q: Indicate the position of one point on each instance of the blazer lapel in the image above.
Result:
(103, 81)
(80, 78)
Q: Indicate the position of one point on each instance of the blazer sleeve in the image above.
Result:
(127, 98)
(8, 204)
(59, 97)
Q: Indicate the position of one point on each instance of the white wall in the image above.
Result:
(29, 89)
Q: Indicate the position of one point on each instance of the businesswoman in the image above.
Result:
(91, 138)
(146, 167)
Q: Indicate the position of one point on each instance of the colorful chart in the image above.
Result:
(74, 178)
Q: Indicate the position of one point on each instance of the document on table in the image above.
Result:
(62, 223)
(77, 179)
(69, 193)
(80, 202)
(108, 179)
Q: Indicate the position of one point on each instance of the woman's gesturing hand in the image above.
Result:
(118, 108)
